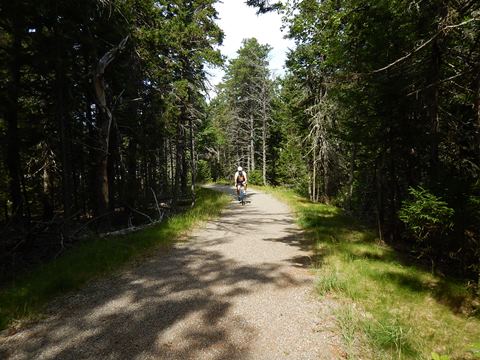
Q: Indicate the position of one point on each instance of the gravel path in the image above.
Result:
(239, 288)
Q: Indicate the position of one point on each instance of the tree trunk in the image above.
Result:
(113, 152)
(163, 161)
(433, 91)
(264, 148)
(314, 175)
(192, 156)
(172, 167)
(252, 145)
(178, 162)
(47, 212)
(104, 122)
(13, 162)
(476, 107)
(101, 172)
(184, 173)
(433, 109)
(351, 176)
(379, 202)
(131, 187)
(62, 123)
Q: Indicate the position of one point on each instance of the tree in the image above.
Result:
(392, 74)
(246, 92)
(101, 103)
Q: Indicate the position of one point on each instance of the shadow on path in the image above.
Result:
(172, 306)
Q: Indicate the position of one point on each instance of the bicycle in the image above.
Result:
(242, 195)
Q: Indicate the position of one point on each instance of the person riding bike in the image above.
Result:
(240, 180)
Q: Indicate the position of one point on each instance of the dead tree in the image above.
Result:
(104, 123)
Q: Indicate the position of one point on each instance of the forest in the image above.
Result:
(378, 113)
(99, 105)
(106, 123)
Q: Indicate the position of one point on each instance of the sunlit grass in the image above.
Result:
(400, 310)
(99, 256)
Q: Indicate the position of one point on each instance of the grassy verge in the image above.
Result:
(100, 256)
(389, 309)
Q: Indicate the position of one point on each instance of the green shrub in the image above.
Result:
(255, 177)
(426, 215)
(203, 171)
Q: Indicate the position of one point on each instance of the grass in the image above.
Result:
(389, 309)
(92, 258)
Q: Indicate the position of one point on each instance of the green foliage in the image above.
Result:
(241, 112)
(436, 356)
(475, 350)
(330, 281)
(203, 171)
(426, 215)
(382, 88)
(388, 309)
(390, 334)
(255, 177)
(348, 321)
(54, 134)
(97, 257)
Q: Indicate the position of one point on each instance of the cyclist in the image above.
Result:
(240, 179)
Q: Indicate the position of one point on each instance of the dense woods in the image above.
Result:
(390, 92)
(104, 119)
(100, 105)
(378, 113)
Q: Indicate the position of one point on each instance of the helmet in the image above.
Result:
(239, 168)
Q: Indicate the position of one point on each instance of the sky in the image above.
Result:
(239, 21)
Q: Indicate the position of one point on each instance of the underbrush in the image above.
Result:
(26, 296)
(389, 309)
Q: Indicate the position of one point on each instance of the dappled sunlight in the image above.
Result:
(394, 298)
(182, 303)
(165, 292)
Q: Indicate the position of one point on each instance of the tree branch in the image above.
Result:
(448, 27)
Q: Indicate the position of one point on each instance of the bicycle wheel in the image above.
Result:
(242, 196)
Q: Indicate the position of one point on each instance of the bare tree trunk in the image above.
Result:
(264, 148)
(326, 183)
(310, 190)
(104, 122)
(252, 145)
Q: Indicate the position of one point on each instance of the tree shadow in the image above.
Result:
(175, 305)
(331, 226)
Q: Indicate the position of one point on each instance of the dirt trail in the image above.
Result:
(239, 288)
